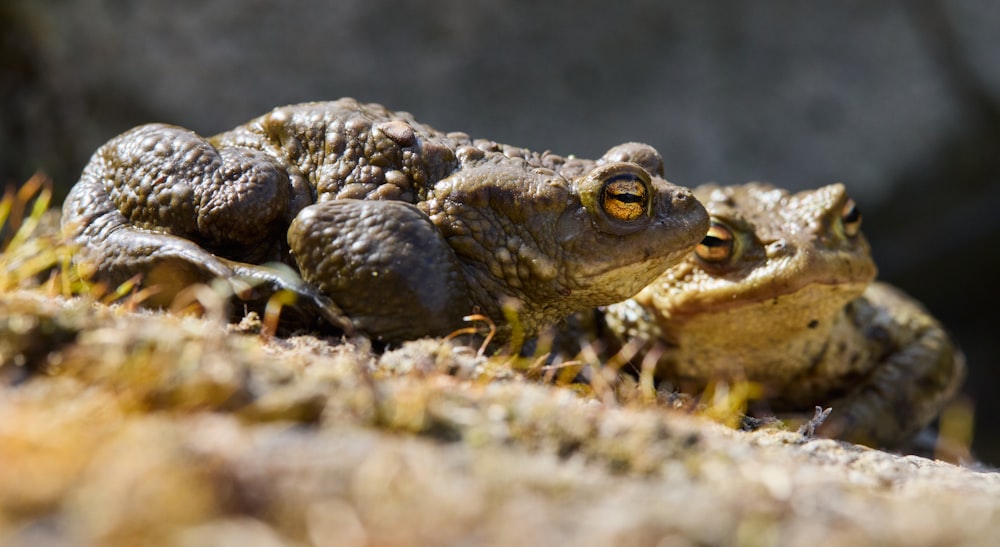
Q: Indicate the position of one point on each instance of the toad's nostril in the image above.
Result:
(777, 247)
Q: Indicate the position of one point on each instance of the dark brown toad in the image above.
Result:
(401, 228)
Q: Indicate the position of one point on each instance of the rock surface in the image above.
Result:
(120, 427)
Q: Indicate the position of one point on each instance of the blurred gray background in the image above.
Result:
(898, 99)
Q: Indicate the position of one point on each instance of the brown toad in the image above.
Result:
(781, 292)
(399, 227)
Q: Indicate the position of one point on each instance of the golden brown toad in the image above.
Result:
(781, 293)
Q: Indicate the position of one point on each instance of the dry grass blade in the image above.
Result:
(34, 252)
(272, 312)
(32, 247)
(473, 330)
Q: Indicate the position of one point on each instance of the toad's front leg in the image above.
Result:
(385, 264)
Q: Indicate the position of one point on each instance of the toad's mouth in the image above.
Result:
(804, 293)
(637, 260)
(808, 275)
(610, 282)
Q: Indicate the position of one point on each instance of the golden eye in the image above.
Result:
(625, 196)
(619, 197)
(850, 218)
(717, 245)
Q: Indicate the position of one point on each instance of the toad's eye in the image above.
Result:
(620, 197)
(625, 196)
(850, 218)
(717, 245)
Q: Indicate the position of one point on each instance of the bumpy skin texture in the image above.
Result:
(781, 293)
(400, 227)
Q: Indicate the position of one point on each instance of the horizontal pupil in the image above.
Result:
(628, 198)
(712, 241)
